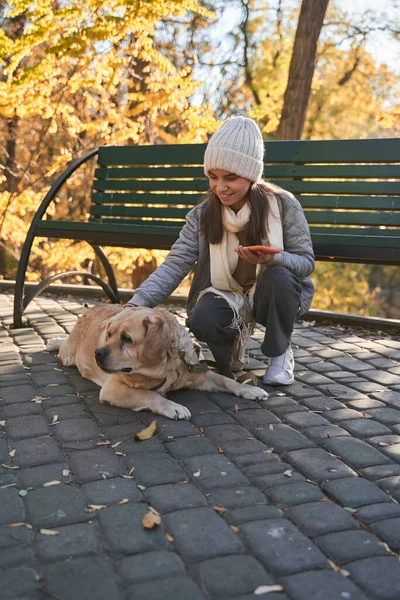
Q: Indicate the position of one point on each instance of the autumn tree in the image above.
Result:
(74, 76)
(301, 70)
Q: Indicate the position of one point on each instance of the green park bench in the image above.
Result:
(349, 189)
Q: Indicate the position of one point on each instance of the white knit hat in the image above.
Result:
(236, 147)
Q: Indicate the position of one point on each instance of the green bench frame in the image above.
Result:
(349, 189)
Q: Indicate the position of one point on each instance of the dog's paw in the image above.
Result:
(172, 410)
(252, 392)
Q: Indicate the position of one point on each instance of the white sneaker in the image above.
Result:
(280, 369)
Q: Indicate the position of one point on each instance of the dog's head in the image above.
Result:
(137, 341)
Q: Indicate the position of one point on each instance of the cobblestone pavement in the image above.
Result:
(296, 497)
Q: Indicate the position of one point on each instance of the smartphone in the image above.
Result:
(263, 249)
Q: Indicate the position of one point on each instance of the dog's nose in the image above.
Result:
(100, 354)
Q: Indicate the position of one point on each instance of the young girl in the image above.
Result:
(234, 287)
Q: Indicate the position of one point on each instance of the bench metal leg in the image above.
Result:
(33, 292)
(108, 269)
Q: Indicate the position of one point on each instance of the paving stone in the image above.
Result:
(382, 377)
(343, 414)
(283, 438)
(228, 433)
(294, 493)
(258, 512)
(379, 577)
(73, 430)
(81, 579)
(66, 407)
(266, 482)
(392, 451)
(389, 397)
(14, 536)
(354, 492)
(116, 521)
(156, 468)
(228, 402)
(387, 416)
(11, 507)
(365, 404)
(251, 445)
(31, 452)
(150, 566)
(322, 403)
(378, 512)
(111, 491)
(200, 534)
(244, 460)
(304, 420)
(72, 540)
(365, 427)
(23, 427)
(389, 531)
(191, 446)
(18, 393)
(37, 476)
(325, 432)
(101, 463)
(168, 429)
(57, 390)
(380, 471)
(266, 468)
(168, 589)
(318, 465)
(10, 411)
(228, 576)
(284, 410)
(344, 546)
(320, 518)
(356, 452)
(308, 586)
(175, 496)
(55, 505)
(19, 583)
(212, 471)
(45, 378)
(281, 547)
(256, 420)
(15, 557)
(212, 419)
(236, 497)
(350, 364)
(389, 484)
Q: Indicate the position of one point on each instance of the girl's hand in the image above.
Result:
(255, 258)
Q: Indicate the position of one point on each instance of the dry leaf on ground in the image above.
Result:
(151, 519)
(197, 473)
(49, 483)
(147, 433)
(49, 532)
(267, 589)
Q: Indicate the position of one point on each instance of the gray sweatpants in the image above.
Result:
(276, 305)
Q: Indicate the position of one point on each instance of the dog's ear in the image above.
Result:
(158, 336)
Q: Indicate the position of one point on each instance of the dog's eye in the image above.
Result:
(125, 339)
(108, 335)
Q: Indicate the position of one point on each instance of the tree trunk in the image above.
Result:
(301, 69)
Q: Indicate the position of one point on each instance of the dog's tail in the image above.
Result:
(55, 344)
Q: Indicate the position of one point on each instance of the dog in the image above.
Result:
(138, 354)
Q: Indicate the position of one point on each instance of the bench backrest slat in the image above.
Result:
(349, 189)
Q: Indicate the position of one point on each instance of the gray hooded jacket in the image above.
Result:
(191, 248)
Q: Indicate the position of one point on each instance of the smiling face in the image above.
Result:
(232, 190)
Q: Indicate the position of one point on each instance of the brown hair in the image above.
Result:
(211, 218)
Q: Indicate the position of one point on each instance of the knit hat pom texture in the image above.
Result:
(236, 147)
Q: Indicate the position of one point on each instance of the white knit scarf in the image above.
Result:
(223, 258)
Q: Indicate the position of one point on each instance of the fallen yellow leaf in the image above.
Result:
(146, 433)
(49, 532)
(49, 483)
(151, 519)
